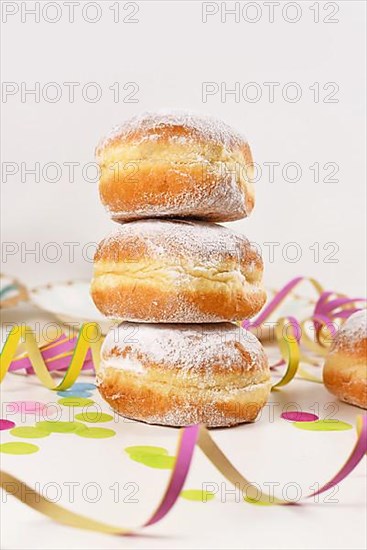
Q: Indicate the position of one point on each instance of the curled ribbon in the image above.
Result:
(57, 355)
(88, 339)
(329, 307)
(189, 438)
(84, 353)
(226, 468)
(30, 497)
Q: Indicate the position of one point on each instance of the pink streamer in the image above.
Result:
(360, 449)
(324, 312)
(179, 475)
(66, 346)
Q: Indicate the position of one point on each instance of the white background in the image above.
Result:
(169, 53)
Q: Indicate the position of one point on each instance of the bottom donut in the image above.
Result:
(177, 375)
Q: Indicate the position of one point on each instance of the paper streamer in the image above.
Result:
(330, 306)
(89, 338)
(189, 437)
(84, 344)
(324, 307)
(6, 290)
(83, 352)
(56, 356)
(223, 465)
(27, 495)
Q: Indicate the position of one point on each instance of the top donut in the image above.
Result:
(175, 164)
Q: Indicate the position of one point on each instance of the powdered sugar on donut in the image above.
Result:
(217, 374)
(352, 332)
(148, 126)
(226, 201)
(188, 347)
(186, 166)
(201, 243)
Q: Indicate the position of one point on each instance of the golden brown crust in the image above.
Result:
(346, 378)
(160, 404)
(175, 165)
(345, 369)
(178, 375)
(161, 271)
(180, 241)
(200, 302)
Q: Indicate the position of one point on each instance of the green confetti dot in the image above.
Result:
(18, 448)
(75, 402)
(146, 450)
(61, 427)
(29, 431)
(153, 457)
(94, 417)
(96, 433)
(160, 462)
(331, 425)
(197, 495)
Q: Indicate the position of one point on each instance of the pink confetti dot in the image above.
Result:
(25, 407)
(299, 416)
(6, 424)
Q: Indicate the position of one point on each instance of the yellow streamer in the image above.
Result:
(88, 338)
(216, 456)
(25, 494)
(288, 346)
(290, 352)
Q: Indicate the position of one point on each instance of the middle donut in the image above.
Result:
(159, 271)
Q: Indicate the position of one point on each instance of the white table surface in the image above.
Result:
(269, 450)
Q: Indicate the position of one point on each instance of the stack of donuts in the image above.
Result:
(177, 281)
